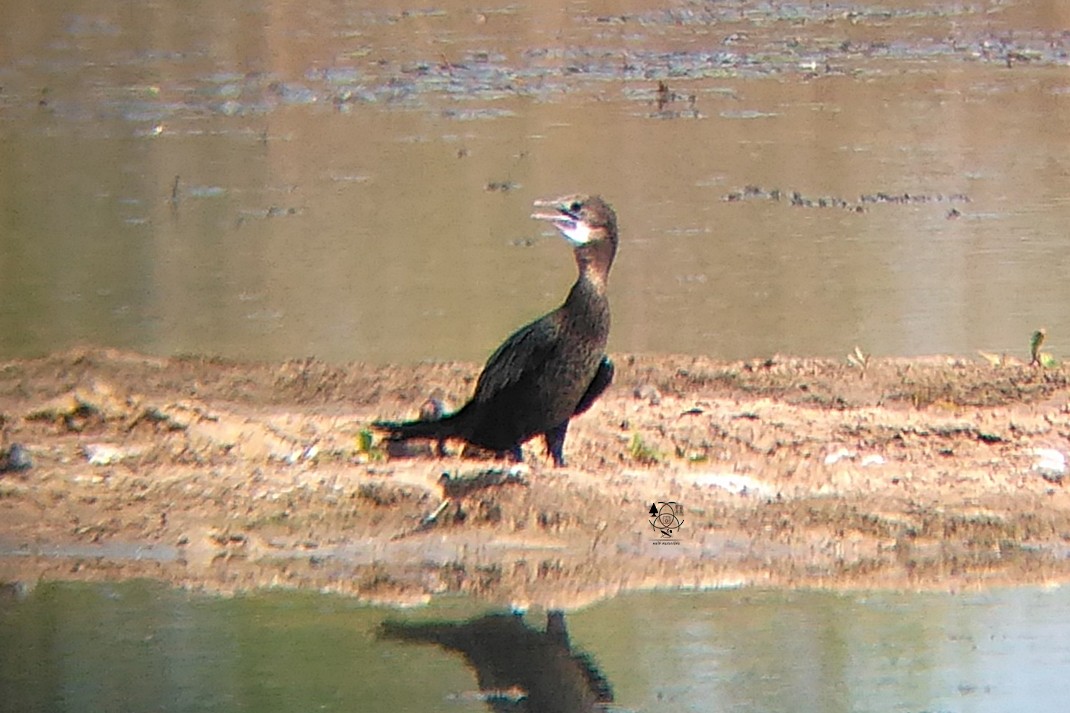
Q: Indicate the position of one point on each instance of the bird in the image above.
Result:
(551, 369)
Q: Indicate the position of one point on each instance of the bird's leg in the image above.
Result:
(514, 454)
(555, 443)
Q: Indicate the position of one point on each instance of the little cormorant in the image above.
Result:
(551, 369)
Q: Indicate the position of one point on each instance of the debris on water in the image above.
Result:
(265, 214)
(798, 200)
(341, 76)
(669, 104)
(664, 95)
(350, 177)
(292, 93)
(151, 131)
(475, 114)
(914, 198)
(747, 114)
(205, 191)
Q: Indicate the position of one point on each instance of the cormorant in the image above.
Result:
(551, 369)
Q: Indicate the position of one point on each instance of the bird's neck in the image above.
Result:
(587, 307)
(594, 263)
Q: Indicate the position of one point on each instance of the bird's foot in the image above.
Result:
(555, 444)
(514, 454)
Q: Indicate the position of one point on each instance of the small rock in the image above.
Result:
(837, 456)
(98, 400)
(434, 407)
(15, 458)
(648, 392)
(1050, 464)
(107, 454)
(738, 484)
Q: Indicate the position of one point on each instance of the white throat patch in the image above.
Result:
(577, 232)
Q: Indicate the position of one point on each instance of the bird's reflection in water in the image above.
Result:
(519, 669)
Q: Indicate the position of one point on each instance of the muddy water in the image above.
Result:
(137, 646)
(353, 180)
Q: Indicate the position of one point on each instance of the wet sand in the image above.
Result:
(225, 476)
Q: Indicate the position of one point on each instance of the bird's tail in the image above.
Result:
(446, 427)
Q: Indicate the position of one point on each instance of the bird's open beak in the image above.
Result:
(560, 212)
(567, 222)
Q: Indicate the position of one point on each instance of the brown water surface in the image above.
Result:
(353, 180)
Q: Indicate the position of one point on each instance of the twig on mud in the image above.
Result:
(426, 523)
(455, 489)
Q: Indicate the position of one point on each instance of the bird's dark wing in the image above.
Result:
(602, 379)
(519, 357)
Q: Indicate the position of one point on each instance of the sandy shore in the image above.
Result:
(926, 473)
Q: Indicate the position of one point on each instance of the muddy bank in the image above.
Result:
(935, 473)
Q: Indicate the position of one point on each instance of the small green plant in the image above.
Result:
(1044, 360)
(367, 448)
(1035, 342)
(642, 452)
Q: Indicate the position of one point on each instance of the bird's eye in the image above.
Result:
(575, 206)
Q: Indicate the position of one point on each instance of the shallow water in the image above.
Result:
(353, 181)
(139, 646)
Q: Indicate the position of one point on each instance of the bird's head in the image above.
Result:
(587, 222)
